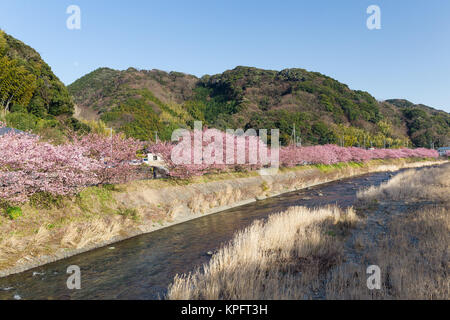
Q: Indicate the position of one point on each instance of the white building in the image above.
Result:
(442, 151)
(6, 130)
(154, 160)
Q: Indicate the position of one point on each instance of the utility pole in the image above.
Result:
(294, 138)
(156, 136)
(111, 136)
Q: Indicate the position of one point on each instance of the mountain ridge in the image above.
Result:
(321, 107)
(146, 104)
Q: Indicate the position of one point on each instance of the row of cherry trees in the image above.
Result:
(254, 148)
(331, 154)
(29, 165)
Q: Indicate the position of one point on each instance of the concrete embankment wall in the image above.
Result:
(194, 200)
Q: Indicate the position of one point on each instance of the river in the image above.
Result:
(142, 267)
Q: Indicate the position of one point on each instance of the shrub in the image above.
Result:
(14, 212)
(128, 213)
(46, 200)
(21, 121)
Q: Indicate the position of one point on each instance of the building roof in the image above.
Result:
(5, 130)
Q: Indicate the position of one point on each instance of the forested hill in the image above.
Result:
(139, 103)
(143, 103)
(323, 110)
(425, 124)
(31, 96)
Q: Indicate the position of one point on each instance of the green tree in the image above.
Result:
(17, 84)
(324, 135)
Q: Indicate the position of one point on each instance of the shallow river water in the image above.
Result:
(143, 267)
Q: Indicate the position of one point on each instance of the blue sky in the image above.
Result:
(407, 58)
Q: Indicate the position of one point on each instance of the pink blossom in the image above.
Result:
(290, 156)
(28, 165)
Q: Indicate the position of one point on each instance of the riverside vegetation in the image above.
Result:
(55, 227)
(402, 226)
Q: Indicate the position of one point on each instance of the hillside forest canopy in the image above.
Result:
(32, 98)
(150, 104)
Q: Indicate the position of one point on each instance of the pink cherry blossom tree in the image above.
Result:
(28, 165)
(113, 155)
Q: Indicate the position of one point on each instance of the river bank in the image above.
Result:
(399, 227)
(99, 216)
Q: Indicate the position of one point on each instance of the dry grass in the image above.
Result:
(323, 253)
(430, 184)
(18, 248)
(284, 258)
(412, 256)
(92, 218)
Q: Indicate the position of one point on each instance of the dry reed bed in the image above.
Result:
(412, 256)
(283, 258)
(323, 253)
(430, 184)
